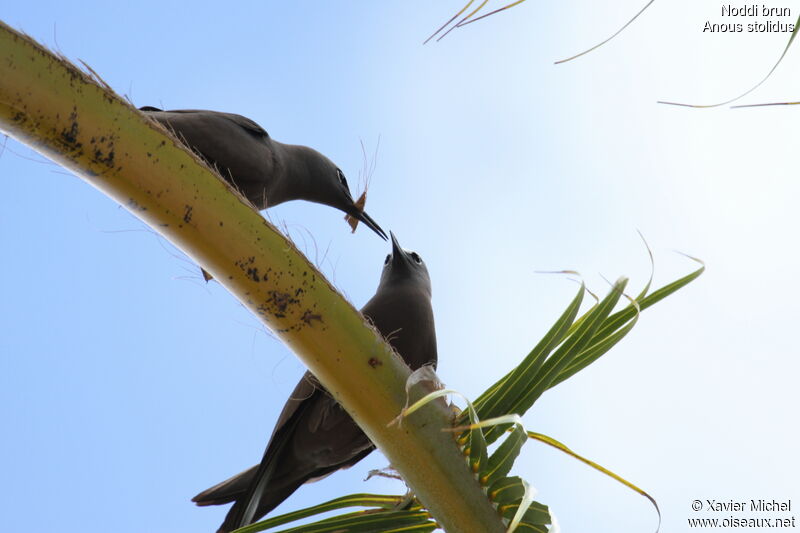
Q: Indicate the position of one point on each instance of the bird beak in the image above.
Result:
(371, 224)
(398, 254)
(396, 248)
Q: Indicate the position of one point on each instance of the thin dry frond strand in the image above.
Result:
(371, 165)
(460, 22)
(771, 104)
(489, 14)
(595, 47)
(753, 88)
(369, 168)
(472, 13)
(468, 18)
(446, 24)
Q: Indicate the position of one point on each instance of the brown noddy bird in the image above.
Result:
(314, 435)
(264, 170)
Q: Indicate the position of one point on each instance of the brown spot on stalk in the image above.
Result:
(309, 317)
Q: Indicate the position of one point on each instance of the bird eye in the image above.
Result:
(342, 179)
(415, 256)
(388, 258)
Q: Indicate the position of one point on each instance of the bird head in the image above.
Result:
(328, 185)
(404, 266)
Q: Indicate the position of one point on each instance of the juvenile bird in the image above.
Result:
(264, 170)
(314, 435)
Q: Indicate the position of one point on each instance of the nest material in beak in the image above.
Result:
(360, 203)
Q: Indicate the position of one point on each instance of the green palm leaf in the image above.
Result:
(385, 515)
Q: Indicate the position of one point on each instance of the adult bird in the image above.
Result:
(314, 435)
(264, 170)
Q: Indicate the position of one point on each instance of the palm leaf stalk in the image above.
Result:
(79, 122)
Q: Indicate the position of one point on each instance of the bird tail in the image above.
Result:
(228, 490)
(235, 489)
(254, 492)
(262, 494)
(267, 501)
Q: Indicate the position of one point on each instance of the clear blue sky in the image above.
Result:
(127, 384)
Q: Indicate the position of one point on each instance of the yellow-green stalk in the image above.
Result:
(48, 104)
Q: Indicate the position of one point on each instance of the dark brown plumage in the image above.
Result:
(264, 170)
(314, 435)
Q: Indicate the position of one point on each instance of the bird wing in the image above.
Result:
(302, 392)
(243, 122)
(236, 486)
(314, 437)
(246, 123)
(240, 150)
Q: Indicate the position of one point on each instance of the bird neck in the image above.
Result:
(406, 288)
(295, 165)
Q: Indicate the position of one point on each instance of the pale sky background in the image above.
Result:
(127, 384)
